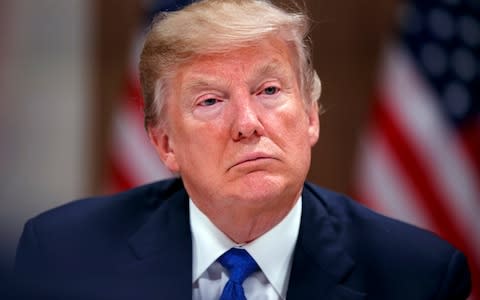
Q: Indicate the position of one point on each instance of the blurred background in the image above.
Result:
(401, 91)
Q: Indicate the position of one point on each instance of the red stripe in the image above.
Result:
(133, 92)
(421, 181)
(120, 181)
(470, 138)
(134, 99)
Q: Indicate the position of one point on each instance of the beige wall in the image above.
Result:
(43, 109)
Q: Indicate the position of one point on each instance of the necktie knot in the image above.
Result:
(239, 264)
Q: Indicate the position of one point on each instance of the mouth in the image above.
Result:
(252, 158)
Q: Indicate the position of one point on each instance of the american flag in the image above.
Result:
(133, 160)
(420, 158)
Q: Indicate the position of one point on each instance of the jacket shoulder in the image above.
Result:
(393, 254)
(350, 216)
(92, 227)
(127, 204)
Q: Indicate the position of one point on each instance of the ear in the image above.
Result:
(313, 123)
(160, 138)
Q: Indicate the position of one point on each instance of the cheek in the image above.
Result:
(291, 126)
(199, 142)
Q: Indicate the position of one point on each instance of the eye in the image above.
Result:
(271, 90)
(208, 102)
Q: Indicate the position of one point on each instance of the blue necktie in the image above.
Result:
(240, 265)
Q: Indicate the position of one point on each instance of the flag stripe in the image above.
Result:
(382, 184)
(470, 139)
(133, 149)
(119, 179)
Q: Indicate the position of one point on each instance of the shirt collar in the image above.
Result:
(272, 251)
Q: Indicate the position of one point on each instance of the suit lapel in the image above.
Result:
(320, 264)
(163, 249)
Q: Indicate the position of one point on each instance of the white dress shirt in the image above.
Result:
(272, 251)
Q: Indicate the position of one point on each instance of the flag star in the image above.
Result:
(441, 24)
(434, 59)
(469, 30)
(463, 63)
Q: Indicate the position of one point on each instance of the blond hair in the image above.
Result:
(218, 26)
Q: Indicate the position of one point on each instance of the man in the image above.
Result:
(231, 106)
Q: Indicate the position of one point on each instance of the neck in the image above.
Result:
(244, 224)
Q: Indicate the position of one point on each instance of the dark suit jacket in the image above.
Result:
(137, 245)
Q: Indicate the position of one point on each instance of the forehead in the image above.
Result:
(268, 57)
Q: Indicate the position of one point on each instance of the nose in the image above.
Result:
(246, 121)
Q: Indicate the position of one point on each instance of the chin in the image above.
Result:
(259, 190)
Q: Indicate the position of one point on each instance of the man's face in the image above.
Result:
(238, 130)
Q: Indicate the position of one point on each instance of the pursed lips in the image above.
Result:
(251, 157)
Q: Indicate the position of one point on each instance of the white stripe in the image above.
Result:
(411, 101)
(379, 179)
(133, 149)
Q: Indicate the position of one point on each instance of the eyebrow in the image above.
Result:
(271, 68)
(203, 83)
